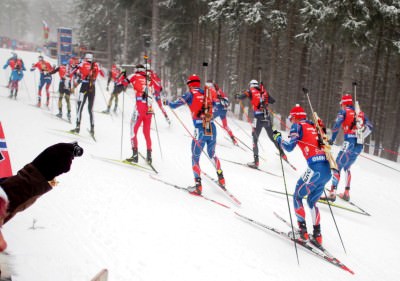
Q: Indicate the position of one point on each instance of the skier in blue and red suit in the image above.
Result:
(351, 148)
(311, 184)
(221, 103)
(14, 62)
(45, 78)
(195, 98)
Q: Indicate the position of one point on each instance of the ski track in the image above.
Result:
(104, 215)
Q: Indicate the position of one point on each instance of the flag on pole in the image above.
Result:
(46, 30)
(5, 164)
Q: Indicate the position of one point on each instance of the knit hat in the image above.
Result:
(297, 112)
(346, 99)
(193, 81)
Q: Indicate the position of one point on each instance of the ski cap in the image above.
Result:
(140, 67)
(147, 66)
(209, 84)
(253, 83)
(193, 81)
(347, 99)
(40, 57)
(89, 57)
(297, 112)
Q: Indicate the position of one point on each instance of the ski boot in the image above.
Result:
(134, 158)
(59, 114)
(316, 238)
(221, 179)
(330, 195)
(234, 140)
(91, 131)
(115, 109)
(197, 189)
(107, 110)
(69, 116)
(148, 158)
(254, 164)
(76, 130)
(346, 195)
(303, 234)
(167, 119)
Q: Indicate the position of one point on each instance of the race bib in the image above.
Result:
(345, 146)
(307, 176)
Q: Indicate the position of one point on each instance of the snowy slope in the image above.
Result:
(104, 215)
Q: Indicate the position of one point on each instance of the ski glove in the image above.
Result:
(56, 159)
(277, 136)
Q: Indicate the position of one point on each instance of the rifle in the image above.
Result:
(358, 118)
(322, 137)
(207, 113)
(263, 100)
(149, 99)
(207, 106)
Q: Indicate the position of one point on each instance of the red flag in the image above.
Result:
(5, 164)
(46, 30)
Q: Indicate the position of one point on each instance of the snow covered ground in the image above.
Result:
(104, 215)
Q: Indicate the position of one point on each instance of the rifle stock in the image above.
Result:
(325, 143)
(207, 113)
(326, 147)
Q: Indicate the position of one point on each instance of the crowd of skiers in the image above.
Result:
(206, 103)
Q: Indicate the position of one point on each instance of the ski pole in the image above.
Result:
(158, 135)
(235, 136)
(27, 89)
(277, 117)
(328, 154)
(237, 125)
(253, 129)
(102, 92)
(387, 166)
(122, 123)
(288, 204)
(193, 138)
(382, 148)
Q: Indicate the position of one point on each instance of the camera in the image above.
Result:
(78, 151)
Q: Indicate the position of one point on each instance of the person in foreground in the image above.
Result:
(318, 173)
(20, 191)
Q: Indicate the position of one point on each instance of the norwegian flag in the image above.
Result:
(5, 164)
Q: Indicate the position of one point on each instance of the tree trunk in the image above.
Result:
(154, 36)
(303, 74)
(125, 46)
(383, 108)
(218, 57)
(375, 76)
(109, 42)
(348, 70)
